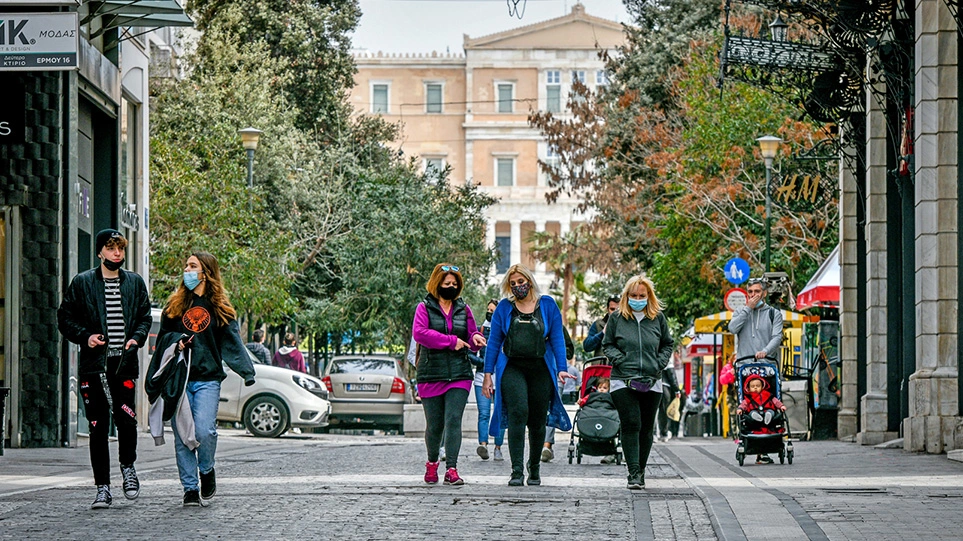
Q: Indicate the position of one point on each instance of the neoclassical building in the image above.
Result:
(469, 112)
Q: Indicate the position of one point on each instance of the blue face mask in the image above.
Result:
(191, 280)
(638, 305)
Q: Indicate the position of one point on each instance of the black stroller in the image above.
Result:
(753, 438)
(596, 425)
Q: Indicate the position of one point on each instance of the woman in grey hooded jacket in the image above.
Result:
(638, 345)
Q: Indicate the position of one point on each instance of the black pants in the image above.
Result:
(667, 396)
(98, 417)
(637, 417)
(527, 389)
(443, 418)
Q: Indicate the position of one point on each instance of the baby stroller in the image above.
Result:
(773, 438)
(597, 425)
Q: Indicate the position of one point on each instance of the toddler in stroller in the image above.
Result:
(763, 427)
(596, 422)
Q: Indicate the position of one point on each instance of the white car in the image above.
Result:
(279, 400)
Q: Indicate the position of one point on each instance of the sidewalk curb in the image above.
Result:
(724, 522)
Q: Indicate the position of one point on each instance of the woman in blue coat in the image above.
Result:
(526, 355)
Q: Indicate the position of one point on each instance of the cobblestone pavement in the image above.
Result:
(369, 487)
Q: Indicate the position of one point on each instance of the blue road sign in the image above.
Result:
(737, 270)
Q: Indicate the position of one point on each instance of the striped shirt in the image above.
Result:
(115, 313)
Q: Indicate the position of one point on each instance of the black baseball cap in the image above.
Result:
(104, 236)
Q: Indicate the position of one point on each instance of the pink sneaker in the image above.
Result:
(431, 472)
(451, 477)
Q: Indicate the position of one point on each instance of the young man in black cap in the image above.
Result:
(106, 311)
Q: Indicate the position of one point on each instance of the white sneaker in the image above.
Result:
(441, 454)
(668, 437)
(498, 455)
(547, 454)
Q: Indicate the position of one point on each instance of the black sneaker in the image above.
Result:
(517, 479)
(103, 499)
(636, 482)
(208, 485)
(131, 483)
(192, 499)
(534, 479)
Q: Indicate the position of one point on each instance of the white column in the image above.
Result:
(848, 316)
(516, 251)
(564, 226)
(933, 424)
(540, 228)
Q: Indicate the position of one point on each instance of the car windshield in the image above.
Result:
(367, 366)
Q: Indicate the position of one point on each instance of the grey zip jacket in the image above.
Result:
(757, 330)
(637, 348)
(183, 417)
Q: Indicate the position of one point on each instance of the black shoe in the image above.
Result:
(208, 485)
(517, 479)
(131, 483)
(103, 499)
(763, 459)
(192, 499)
(636, 482)
(534, 479)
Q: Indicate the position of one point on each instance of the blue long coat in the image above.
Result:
(495, 361)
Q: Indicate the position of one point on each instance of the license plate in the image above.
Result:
(361, 386)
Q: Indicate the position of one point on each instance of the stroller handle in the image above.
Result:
(601, 359)
(753, 357)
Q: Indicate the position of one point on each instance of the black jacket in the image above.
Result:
(445, 364)
(83, 312)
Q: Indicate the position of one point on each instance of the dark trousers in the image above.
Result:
(443, 418)
(667, 396)
(637, 417)
(98, 417)
(527, 389)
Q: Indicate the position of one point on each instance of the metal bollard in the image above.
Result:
(4, 391)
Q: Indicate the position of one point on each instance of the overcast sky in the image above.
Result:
(422, 26)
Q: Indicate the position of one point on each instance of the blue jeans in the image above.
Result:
(203, 397)
(484, 416)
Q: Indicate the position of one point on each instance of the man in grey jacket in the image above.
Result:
(758, 330)
(757, 326)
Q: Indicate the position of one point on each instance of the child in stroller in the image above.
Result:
(763, 427)
(596, 422)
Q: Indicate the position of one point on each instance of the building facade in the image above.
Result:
(469, 112)
(76, 163)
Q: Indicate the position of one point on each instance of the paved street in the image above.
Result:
(369, 487)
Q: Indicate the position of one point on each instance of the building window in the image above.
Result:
(578, 75)
(505, 97)
(434, 168)
(433, 93)
(379, 98)
(601, 78)
(503, 249)
(504, 171)
(553, 98)
(551, 161)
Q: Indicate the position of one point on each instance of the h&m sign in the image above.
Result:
(13, 112)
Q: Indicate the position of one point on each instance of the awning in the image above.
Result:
(138, 13)
(823, 288)
(719, 322)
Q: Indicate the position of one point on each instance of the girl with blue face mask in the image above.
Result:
(638, 346)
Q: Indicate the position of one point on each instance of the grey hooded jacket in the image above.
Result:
(756, 330)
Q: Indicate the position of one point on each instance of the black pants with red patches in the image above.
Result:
(122, 392)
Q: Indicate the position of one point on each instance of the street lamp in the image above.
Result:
(249, 138)
(769, 145)
(778, 28)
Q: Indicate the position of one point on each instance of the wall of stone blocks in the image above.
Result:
(30, 177)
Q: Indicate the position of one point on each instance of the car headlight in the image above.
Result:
(310, 385)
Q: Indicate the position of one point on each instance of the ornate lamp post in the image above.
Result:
(778, 29)
(249, 139)
(769, 145)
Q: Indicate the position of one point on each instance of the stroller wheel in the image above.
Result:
(579, 458)
(782, 457)
(741, 457)
(618, 458)
(789, 456)
(571, 455)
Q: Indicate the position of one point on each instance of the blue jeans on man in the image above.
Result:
(203, 397)
(484, 418)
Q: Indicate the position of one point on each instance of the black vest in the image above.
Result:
(445, 364)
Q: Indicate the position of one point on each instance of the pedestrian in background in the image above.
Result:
(670, 390)
(106, 311)
(288, 356)
(526, 356)
(638, 344)
(484, 403)
(199, 316)
(258, 348)
(445, 329)
(592, 344)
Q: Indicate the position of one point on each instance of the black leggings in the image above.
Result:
(443, 417)
(637, 417)
(667, 397)
(527, 389)
(99, 415)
